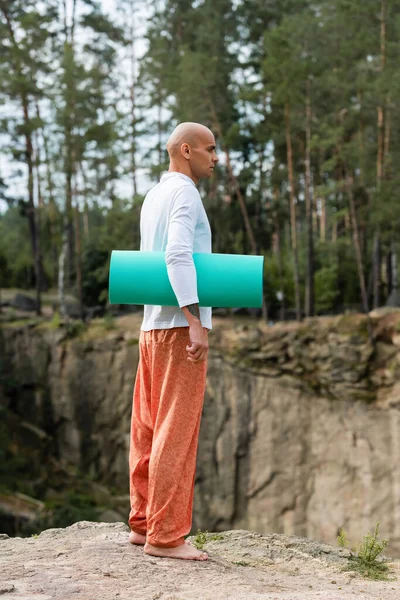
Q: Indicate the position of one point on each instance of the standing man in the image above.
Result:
(170, 382)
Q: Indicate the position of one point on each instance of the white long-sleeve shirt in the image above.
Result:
(173, 220)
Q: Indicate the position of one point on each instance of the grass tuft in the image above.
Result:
(202, 537)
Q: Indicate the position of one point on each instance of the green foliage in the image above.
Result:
(109, 322)
(63, 512)
(369, 550)
(202, 537)
(326, 290)
(13, 464)
(342, 540)
(247, 70)
(95, 274)
(367, 560)
(75, 328)
(15, 250)
(55, 321)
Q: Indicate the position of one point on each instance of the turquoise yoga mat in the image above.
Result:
(223, 280)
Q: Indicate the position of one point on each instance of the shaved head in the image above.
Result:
(186, 133)
(192, 151)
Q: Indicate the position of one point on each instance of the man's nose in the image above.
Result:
(216, 158)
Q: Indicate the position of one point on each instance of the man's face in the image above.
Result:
(203, 157)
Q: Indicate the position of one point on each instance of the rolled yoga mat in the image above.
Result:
(223, 280)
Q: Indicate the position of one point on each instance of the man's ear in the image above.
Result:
(185, 150)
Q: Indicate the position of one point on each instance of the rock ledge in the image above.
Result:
(94, 561)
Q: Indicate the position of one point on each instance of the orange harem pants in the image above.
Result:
(167, 406)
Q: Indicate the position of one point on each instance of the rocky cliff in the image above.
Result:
(300, 432)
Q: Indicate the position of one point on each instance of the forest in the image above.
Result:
(303, 99)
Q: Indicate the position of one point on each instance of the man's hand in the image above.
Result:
(198, 349)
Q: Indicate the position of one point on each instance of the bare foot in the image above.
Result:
(140, 540)
(136, 538)
(185, 552)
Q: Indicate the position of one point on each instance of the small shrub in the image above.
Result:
(63, 512)
(366, 560)
(342, 540)
(55, 321)
(75, 328)
(370, 548)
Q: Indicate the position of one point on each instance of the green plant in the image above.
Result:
(241, 563)
(370, 548)
(215, 537)
(62, 512)
(202, 537)
(366, 559)
(109, 321)
(342, 540)
(75, 328)
(55, 321)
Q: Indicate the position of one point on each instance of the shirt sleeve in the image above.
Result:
(179, 252)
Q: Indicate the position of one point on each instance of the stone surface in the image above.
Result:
(23, 302)
(301, 425)
(96, 561)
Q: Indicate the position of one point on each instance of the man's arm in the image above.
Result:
(181, 269)
(193, 309)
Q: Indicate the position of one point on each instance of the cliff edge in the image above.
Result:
(94, 561)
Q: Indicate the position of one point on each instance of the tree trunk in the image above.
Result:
(242, 203)
(309, 296)
(34, 229)
(69, 31)
(159, 133)
(357, 247)
(78, 254)
(376, 262)
(393, 266)
(52, 208)
(132, 95)
(380, 161)
(386, 174)
(80, 170)
(334, 231)
(234, 181)
(322, 221)
(61, 269)
(388, 269)
(38, 182)
(380, 120)
(292, 198)
(278, 247)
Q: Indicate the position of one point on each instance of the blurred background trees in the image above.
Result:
(303, 98)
